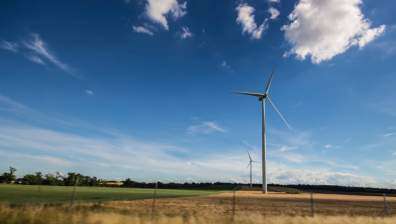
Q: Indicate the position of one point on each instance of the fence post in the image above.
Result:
(233, 204)
(312, 205)
(74, 191)
(154, 199)
(233, 201)
(386, 209)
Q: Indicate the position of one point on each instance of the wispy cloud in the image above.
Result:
(89, 92)
(185, 33)
(40, 50)
(157, 10)
(35, 59)
(205, 127)
(246, 19)
(389, 134)
(142, 29)
(9, 46)
(148, 160)
(285, 175)
(273, 12)
(39, 158)
(35, 49)
(225, 66)
(8, 104)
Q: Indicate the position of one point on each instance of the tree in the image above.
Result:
(72, 179)
(51, 179)
(29, 179)
(8, 177)
(129, 183)
(33, 179)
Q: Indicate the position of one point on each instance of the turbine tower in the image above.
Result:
(263, 97)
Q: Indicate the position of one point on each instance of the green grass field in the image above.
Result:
(17, 194)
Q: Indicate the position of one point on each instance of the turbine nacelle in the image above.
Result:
(262, 97)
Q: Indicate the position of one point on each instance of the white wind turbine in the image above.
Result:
(263, 97)
(250, 165)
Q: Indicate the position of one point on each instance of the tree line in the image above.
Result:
(56, 179)
(77, 179)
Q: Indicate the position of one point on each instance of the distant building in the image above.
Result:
(112, 183)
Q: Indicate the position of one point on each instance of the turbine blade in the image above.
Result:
(251, 94)
(279, 113)
(250, 157)
(268, 85)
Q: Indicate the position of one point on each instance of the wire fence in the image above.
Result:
(307, 205)
(240, 201)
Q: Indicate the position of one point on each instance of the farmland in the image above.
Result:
(18, 194)
(118, 205)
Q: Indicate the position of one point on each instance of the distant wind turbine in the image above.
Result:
(250, 165)
(263, 97)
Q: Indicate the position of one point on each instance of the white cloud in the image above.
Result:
(389, 134)
(205, 127)
(36, 50)
(61, 151)
(288, 153)
(157, 10)
(294, 157)
(40, 50)
(386, 46)
(274, 1)
(274, 12)
(322, 29)
(35, 59)
(225, 65)
(284, 175)
(246, 19)
(8, 104)
(9, 46)
(370, 35)
(40, 159)
(185, 33)
(142, 29)
(89, 92)
(328, 146)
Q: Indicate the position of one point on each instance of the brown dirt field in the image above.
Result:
(342, 197)
(273, 204)
(250, 208)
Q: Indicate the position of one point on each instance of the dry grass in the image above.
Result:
(273, 204)
(61, 215)
(340, 197)
(251, 208)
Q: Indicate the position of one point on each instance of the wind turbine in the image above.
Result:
(250, 165)
(263, 97)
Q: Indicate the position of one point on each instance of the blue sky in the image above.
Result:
(143, 89)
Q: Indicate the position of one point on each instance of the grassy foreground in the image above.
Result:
(19, 194)
(63, 215)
